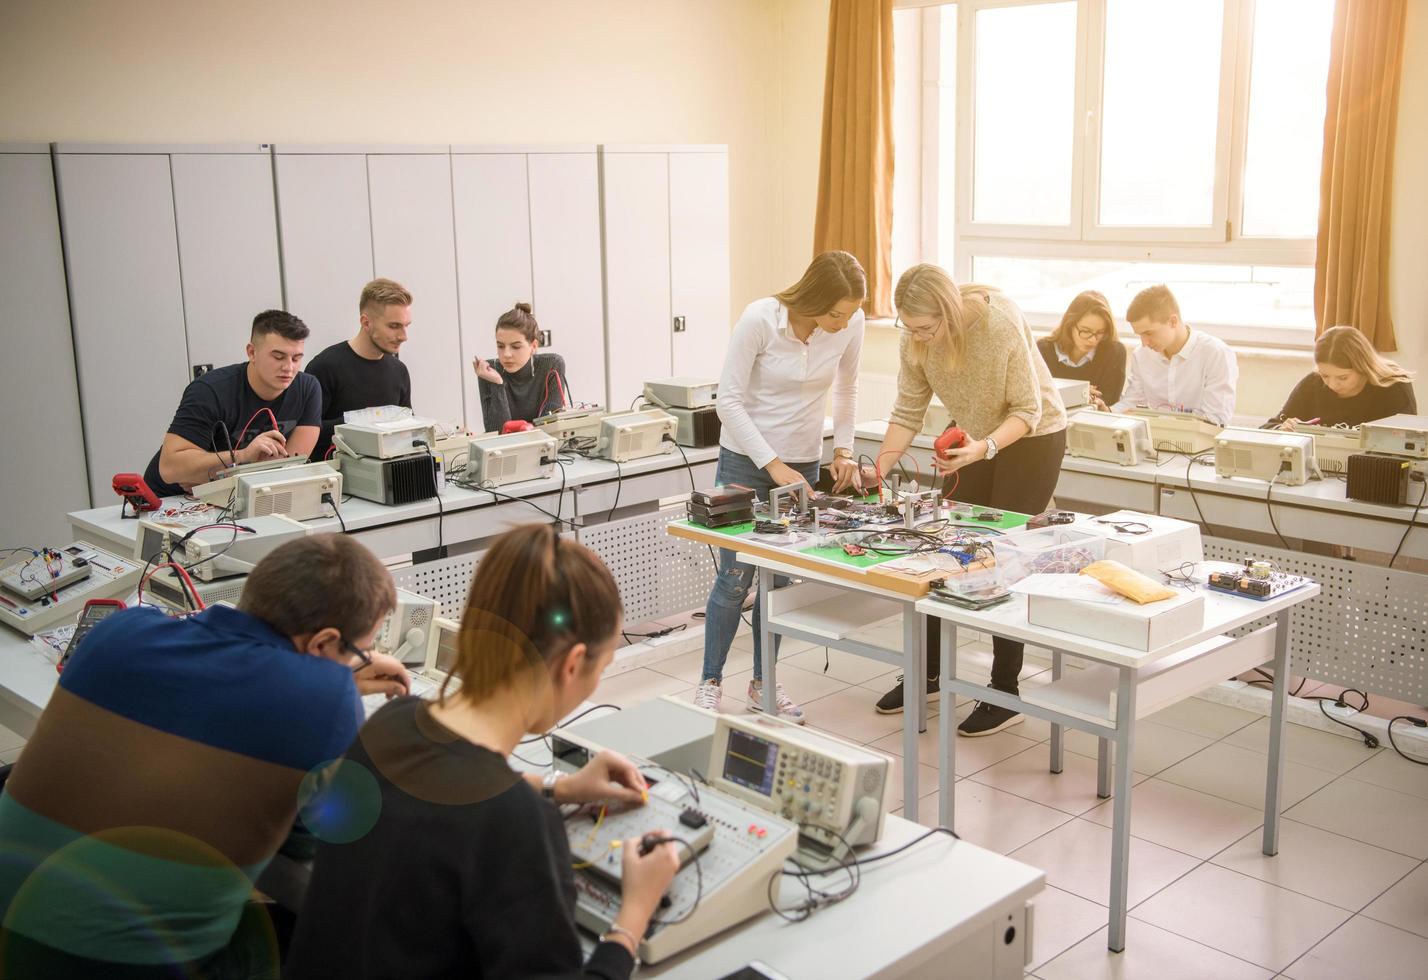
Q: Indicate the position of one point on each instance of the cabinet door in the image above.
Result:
(228, 249)
(636, 198)
(699, 261)
(413, 243)
(44, 475)
(493, 254)
(565, 266)
(326, 234)
(121, 248)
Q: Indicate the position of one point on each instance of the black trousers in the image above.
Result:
(1022, 478)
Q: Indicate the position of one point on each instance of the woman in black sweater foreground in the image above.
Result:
(1084, 347)
(441, 860)
(1350, 384)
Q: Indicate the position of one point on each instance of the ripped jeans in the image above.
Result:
(732, 584)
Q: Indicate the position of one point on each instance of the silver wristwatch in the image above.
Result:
(991, 447)
(547, 784)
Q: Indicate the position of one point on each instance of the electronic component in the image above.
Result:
(391, 480)
(682, 392)
(698, 427)
(1398, 435)
(1051, 517)
(1378, 479)
(1333, 445)
(1243, 583)
(167, 588)
(1179, 432)
(952, 437)
(724, 494)
(635, 435)
(406, 630)
(1287, 458)
(1146, 542)
(1113, 438)
(832, 789)
(854, 550)
(442, 646)
(209, 553)
(296, 490)
(980, 596)
(572, 423)
(93, 612)
(723, 515)
(1073, 393)
(385, 439)
(45, 574)
(777, 495)
(136, 493)
(494, 461)
(108, 577)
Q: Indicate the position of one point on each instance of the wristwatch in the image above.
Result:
(991, 447)
(547, 784)
(842, 454)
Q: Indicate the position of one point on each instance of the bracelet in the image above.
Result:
(616, 930)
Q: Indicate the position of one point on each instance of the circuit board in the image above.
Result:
(1245, 585)
(109, 578)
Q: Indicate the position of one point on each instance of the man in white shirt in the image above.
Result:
(1176, 369)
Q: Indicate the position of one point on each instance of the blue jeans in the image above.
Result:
(731, 585)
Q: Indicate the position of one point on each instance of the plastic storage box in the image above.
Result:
(1060, 549)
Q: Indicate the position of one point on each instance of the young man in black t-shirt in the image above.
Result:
(364, 372)
(265, 408)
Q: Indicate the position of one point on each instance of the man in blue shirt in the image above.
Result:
(169, 766)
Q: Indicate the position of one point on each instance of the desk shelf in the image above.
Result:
(828, 611)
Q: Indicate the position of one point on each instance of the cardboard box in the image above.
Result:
(1127, 623)
(1167, 545)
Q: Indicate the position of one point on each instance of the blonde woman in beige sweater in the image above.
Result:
(970, 346)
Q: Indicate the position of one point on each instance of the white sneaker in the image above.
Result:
(787, 710)
(708, 695)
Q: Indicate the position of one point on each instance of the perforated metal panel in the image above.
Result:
(447, 581)
(1367, 629)
(658, 575)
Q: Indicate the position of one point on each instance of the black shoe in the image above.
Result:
(891, 702)
(987, 719)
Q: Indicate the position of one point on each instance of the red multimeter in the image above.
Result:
(135, 491)
(516, 425)
(952, 438)
(94, 611)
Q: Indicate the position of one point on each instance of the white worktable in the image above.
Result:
(1121, 685)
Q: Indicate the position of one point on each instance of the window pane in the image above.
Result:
(947, 135)
(1025, 92)
(1159, 112)
(1242, 295)
(1288, 70)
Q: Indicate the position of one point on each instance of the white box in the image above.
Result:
(1167, 545)
(1130, 624)
(1286, 458)
(682, 392)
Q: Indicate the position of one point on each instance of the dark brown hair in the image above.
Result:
(829, 279)
(319, 581)
(280, 322)
(1156, 302)
(535, 595)
(519, 317)
(1088, 302)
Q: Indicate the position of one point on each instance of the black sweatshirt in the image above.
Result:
(350, 381)
(466, 871)
(528, 394)
(1312, 399)
(1106, 369)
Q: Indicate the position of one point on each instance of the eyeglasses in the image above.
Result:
(919, 332)
(364, 656)
(1089, 335)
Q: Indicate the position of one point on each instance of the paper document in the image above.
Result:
(1061, 586)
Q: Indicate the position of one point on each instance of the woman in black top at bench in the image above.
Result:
(1351, 384)
(441, 860)
(1084, 347)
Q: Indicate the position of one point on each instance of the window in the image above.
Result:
(1112, 144)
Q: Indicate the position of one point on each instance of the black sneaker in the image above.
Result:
(987, 719)
(891, 702)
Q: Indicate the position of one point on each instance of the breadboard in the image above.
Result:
(109, 578)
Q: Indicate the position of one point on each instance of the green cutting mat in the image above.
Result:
(840, 556)
(1010, 519)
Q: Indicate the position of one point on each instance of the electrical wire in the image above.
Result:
(569, 721)
(1269, 506)
(1189, 462)
(1369, 738)
(619, 483)
(1411, 522)
(1417, 723)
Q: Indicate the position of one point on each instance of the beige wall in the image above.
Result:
(1408, 268)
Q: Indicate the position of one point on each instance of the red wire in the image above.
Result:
(330, 451)
(183, 574)
(560, 385)
(273, 418)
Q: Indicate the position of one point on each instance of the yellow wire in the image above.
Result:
(590, 840)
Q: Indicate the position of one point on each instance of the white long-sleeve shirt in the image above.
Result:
(1200, 379)
(774, 386)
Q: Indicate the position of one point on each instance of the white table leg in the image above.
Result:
(766, 586)
(947, 729)
(1274, 778)
(922, 654)
(1057, 749)
(914, 692)
(1103, 768)
(1120, 826)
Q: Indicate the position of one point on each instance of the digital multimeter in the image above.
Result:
(94, 611)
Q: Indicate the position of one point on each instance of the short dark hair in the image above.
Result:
(1156, 302)
(280, 322)
(319, 581)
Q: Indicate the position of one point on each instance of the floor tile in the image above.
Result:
(640, 684)
(1026, 774)
(1203, 717)
(973, 754)
(1237, 774)
(1314, 862)
(1061, 920)
(800, 684)
(992, 819)
(1405, 904)
(1157, 746)
(1307, 746)
(1365, 950)
(1386, 769)
(1245, 917)
(689, 667)
(1151, 953)
(847, 667)
(926, 781)
(1076, 857)
(1182, 819)
(849, 714)
(1368, 813)
(787, 647)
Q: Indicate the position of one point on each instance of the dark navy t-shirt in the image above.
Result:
(216, 407)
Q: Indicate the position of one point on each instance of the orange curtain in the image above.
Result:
(855, 171)
(1355, 184)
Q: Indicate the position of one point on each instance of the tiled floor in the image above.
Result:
(1347, 896)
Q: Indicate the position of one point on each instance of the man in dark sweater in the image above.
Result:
(365, 372)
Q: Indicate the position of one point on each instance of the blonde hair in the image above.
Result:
(382, 293)
(927, 290)
(830, 278)
(1346, 347)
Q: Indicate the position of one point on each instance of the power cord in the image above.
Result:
(1411, 522)
(1416, 723)
(817, 898)
(1369, 738)
(1190, 462)
(336, 511)
(1269, 506)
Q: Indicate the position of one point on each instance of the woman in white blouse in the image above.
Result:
(786, 353)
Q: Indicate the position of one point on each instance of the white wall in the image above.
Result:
(1408, 255)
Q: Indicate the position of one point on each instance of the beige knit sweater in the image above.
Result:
(1001, 376)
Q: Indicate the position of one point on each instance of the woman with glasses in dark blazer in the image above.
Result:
(1084, 347)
